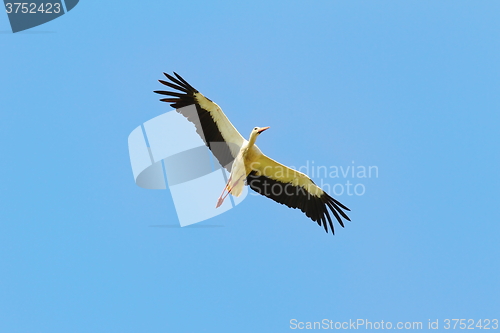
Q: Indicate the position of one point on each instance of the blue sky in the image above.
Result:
(411, 87)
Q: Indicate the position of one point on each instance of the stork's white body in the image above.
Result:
(248, 155)
(238, 174)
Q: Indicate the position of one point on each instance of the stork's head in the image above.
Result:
(258, 130)
(255, 133)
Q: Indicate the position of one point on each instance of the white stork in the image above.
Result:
(247, 164)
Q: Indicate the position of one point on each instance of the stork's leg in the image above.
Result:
(222, 196)
(228, 188)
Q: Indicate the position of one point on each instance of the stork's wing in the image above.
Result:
(296, 190)
(213, 126)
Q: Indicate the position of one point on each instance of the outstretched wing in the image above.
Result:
(213, 126)
(296, 190)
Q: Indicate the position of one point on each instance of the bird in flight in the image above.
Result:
(246, 162)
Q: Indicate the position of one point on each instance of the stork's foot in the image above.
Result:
(220, 201)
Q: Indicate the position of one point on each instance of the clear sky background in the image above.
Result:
(411, 87)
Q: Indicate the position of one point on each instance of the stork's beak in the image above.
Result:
(262, 129)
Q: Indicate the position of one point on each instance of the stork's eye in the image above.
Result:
(255, 129)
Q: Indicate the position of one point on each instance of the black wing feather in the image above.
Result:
(209, 130)
(316, 208)
(171, 85)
